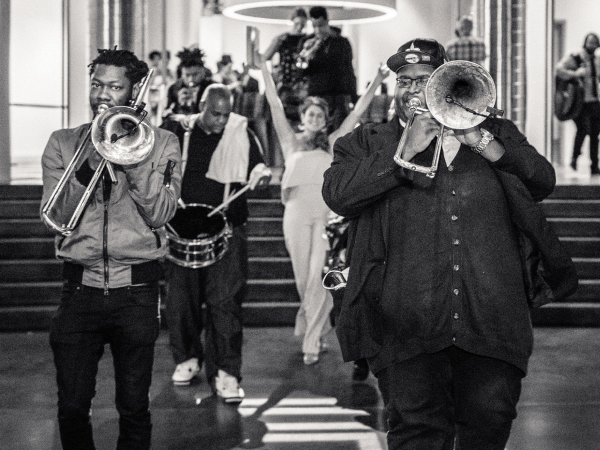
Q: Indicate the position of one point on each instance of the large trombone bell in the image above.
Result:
(460, 95)
(121, 135)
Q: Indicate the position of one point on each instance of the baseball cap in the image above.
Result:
(418, 51)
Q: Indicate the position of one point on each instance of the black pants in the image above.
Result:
(221, 287)
(588, 124)
(127, 319)
(433, 399)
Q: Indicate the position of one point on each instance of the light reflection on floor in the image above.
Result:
(290, 406)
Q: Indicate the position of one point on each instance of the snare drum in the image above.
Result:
(200, 240)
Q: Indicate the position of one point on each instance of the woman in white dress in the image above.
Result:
(307, 155)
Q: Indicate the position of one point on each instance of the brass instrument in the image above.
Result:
(460, 95)
(122, 135)
(309, 49)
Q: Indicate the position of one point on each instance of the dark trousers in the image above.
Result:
(588, 124)
(127, 319)
(433, 399)
(221, 288)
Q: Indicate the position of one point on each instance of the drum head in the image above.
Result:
(193, 223)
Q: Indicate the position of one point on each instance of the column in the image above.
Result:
(4, 93)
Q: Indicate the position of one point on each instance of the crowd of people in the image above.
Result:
(437, 300)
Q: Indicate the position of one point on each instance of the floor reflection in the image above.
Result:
(290, 406)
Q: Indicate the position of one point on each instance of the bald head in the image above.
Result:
(214, 92)
(215, 108)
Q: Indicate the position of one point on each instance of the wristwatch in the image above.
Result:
(486, 138)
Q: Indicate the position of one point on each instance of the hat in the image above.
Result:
(418, 51)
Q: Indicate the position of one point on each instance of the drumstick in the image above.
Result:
(171, 229)
(228, 201)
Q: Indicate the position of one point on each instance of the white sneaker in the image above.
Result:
(185, 371)
(227, 387)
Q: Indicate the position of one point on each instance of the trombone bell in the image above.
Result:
(122, 135)
(464, 83)
(460, 95)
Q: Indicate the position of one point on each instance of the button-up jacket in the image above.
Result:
(433, 262)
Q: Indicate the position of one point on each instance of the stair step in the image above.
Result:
(571, 208)
(48, 292)
(26, 270)
(21, 192)
(266, 246)
(265, 207)
(575, 192)
(575, 226)
(567, 314)
(270, 267)
(20, 208)
(587, 268)
(581, 247)
(37, 318)
(26, 248)
(23, 227)
(45, 270)
(265, 226)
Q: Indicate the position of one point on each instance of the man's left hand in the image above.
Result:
(470, 136)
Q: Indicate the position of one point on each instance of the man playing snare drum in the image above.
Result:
(222, 156)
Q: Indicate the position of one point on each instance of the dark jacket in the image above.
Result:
(356, 186)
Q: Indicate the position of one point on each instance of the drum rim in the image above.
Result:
(207, 240)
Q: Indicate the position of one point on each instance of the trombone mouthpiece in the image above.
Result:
(414, 103)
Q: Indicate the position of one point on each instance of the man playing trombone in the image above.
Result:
(220, 156)
(436, 296)
(111, 253)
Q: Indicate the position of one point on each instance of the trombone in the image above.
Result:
(460, 95)
(122, 135)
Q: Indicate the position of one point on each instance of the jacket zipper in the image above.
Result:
(106, 201)
(157, 236)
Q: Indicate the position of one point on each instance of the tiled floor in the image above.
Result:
(290, 406)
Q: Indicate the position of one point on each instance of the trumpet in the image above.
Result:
(460, 95)
(121, 135)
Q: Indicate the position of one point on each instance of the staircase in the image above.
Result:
(30, 276)
(574, 213)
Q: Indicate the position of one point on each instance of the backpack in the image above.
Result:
(568, 97)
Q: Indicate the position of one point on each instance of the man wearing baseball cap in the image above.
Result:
(435, 298)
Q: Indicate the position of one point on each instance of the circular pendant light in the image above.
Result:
(340, 12)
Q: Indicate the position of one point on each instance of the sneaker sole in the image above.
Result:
(232, 400)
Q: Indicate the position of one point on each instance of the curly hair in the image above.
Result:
(190, 57)
(135, 70)
(321, 139)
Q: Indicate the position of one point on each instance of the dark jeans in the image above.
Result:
(588, 124)
(221, 288)
(433, 399)
(127, 319)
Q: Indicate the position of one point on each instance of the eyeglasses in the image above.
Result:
(405, 82)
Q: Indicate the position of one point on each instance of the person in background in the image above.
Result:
(111, 263)
(326, 59)
(436, 297)
(184, 95)
(160, 82)
(581, 66)
(466, 47)
(307, 155)
(291, 86)
(222, 156)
